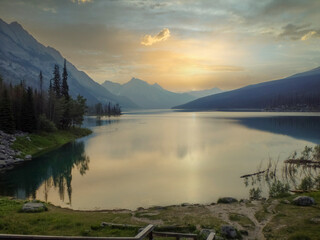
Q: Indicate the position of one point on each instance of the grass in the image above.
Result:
(64, 222)
(262, 214)
(294, 222)
(244, 221)
(289, 221)
(57, 221)
(42, 142)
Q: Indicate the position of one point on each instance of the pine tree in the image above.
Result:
(50, 106)
(6, 115)
(56, 81)
(66, 119)
(41, 97)
(29, 123)
(65, 87)
(40, 81)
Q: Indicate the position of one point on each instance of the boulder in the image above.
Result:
(28, 157)
(204, 233)
(2, 164)
(227, 200)
(303, 201)
(186, 205)
(17, 161)
(3, 156)
(229, 231)
(33, 207)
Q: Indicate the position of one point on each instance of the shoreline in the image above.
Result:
(20, 147)
(253, 219)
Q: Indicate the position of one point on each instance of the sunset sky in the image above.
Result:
(181, 45)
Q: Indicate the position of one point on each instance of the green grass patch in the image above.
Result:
(65, 222)
(38, 143)
(61, 222)
(244, 221)
(262, 214)
(295, 222)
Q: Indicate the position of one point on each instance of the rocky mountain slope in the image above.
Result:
(22, 57)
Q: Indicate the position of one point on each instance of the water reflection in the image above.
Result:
(90, 122)
(299, 127)
(52, 170)
(160, 159)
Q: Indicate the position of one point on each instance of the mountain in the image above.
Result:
(146, 95)
(204, 93)
(299, 89)
(22, 57)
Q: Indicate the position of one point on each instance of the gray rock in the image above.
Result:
(303, 201)
(3, 164)
(33, 207)
(17, 161)
(227, 200)
(28, 157)
(2, 156)
(285, 201)
(185, 205)
(315, 220)
(245, 201)
(228, 231)
(205, 232)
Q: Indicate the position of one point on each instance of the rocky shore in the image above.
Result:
(8, 156)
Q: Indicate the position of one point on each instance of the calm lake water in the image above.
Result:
(161, 158)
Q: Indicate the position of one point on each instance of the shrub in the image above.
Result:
(46, 125)
(306, 184)
(316, 153)
(279, 189)
(255, 193)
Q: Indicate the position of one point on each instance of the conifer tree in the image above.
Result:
(56, 81)
(6, 116)
(66, 119)
(28, 115)
(40, 82)
(65, 87)
(41, 97)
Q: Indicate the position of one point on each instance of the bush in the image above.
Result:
(279, 189)
(255, 193)
(316, 153)
(306, 184)
(46, 125)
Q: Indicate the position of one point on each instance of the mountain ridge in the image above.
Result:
(23, 57)
(263, 95)
(148, 95)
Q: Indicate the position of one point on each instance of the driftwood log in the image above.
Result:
(253, 174)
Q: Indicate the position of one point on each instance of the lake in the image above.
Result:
(149, 158)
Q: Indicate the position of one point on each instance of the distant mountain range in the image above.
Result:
(206, 92)
(22, 57)
(297, 90)
(153, 96)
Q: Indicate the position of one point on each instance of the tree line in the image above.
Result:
(26, 109)
(296, 102)
(105, 110)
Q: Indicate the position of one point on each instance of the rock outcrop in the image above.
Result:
(8, 156)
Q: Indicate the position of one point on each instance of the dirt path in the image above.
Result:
(240, 215)
(223, 211)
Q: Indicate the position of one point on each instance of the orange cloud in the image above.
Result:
(308, 35)
(148, 40)
(81, 1)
